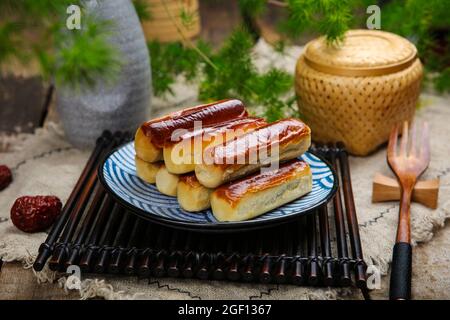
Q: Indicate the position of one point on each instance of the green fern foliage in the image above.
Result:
(253, 7)
(427, 24)
(232, 71)
(173, 59)
(229, 72)
(83, 56)
(143, 10)
(70, 57)
(9, 41)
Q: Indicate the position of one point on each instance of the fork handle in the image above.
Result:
(401, 269)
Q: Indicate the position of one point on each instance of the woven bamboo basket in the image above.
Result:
(357, 92)
(166, 23)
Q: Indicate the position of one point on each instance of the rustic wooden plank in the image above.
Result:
(23, 103)
(218, 19)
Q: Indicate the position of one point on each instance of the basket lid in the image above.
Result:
(362, 53)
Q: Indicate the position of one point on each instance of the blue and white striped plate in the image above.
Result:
(118, 175)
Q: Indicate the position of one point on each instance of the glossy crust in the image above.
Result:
(146, 170)
(280, 141)
(145, 150)
(192, 196)
(255, 195)
(160, 130)
(181, 155)
(166, 182)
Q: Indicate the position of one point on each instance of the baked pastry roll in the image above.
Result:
(147, 170)
(192, 196)
(151, 136)
(166, 182)
(257, 194)
(181, 155)
(271, 144)
(145, 149)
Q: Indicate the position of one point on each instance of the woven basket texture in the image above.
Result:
(358, 110)
(166, 20)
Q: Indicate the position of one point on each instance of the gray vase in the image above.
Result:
(125, 103)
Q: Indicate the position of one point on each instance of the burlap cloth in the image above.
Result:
(44, 163)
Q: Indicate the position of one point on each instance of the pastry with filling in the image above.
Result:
(166, 182)
(146, 170)
(181, 155)
(192, 196)
(255, 195)
(151, 136)
(266, 146)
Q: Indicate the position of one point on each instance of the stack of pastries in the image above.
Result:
(217, 156)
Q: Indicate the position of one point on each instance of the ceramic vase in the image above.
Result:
(121, 105)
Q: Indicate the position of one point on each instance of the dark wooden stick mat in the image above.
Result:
(96, 233)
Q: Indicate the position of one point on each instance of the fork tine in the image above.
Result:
(404, 141)
(392, 146)
(425, 145)
(412, 150)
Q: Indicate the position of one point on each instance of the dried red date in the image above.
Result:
(33, 214)
(5, 177)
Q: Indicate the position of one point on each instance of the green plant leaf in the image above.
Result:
(84, 57)
(143, 10)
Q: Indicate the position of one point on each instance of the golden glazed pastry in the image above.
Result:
(255, 195)
(276, 142)
(166, 182)
(145, 149)
(151, 136)
(192, 196)
(147, 170)
(181, 155)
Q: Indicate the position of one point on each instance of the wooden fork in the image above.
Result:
(408, 164)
